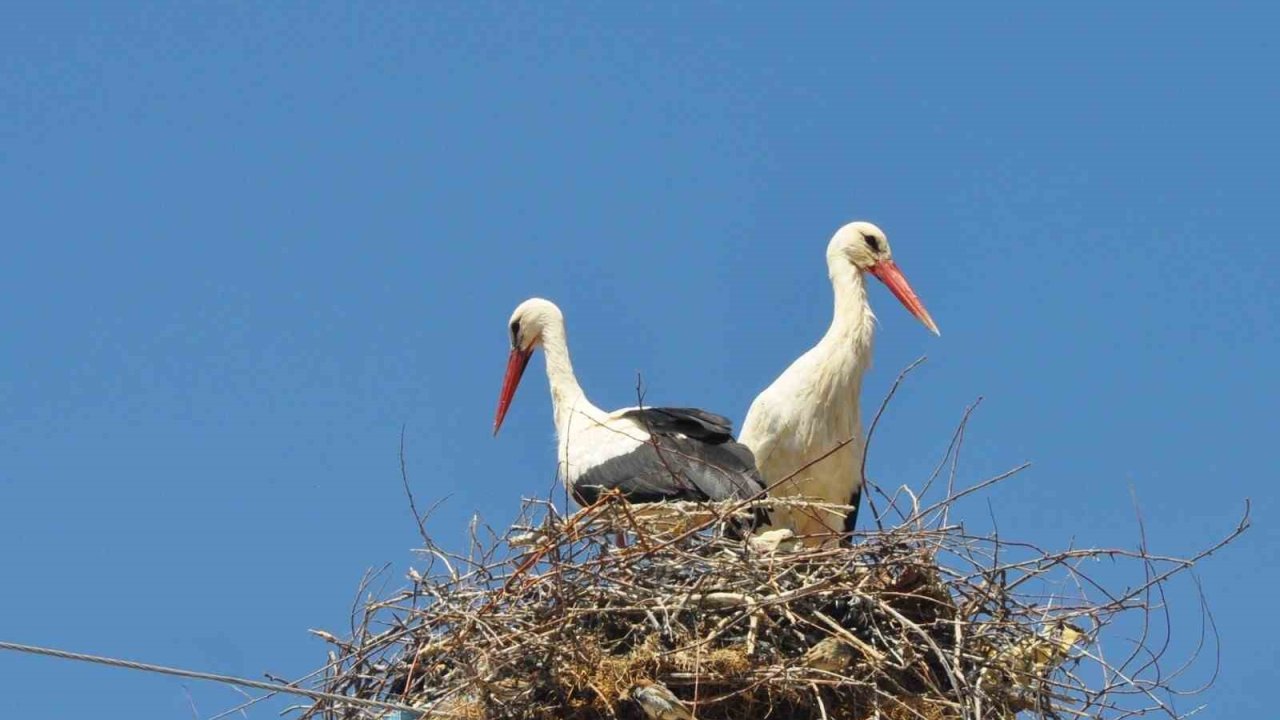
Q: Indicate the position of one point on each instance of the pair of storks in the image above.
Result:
(791, 442)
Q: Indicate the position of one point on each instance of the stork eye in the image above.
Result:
(515, 333)
(873, 242)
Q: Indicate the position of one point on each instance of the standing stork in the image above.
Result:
(648, 454)
(813, 406)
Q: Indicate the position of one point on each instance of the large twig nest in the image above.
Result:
(563, 618)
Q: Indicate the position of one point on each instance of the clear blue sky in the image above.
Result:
(243, 244)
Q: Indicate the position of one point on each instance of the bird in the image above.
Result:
(1034, 656)
(772, 542)
(830, 655)
(812, 406)
(658, 702)
(648, 454)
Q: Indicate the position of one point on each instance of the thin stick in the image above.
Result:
(875, 422)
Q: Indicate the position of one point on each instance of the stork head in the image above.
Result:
(866, 248)
(526, 326)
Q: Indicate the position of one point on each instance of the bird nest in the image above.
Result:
(592, 615)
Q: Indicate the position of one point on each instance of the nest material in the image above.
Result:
(561, 617)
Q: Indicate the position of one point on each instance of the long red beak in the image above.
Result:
(891, 275)
(516, 363)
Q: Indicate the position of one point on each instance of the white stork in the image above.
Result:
(648, 454)
(813, 406)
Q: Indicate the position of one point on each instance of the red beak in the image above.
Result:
(888, 273)
(516, 363)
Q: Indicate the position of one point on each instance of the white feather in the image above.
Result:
(814, 405)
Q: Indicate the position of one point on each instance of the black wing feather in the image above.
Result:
(693, 456)
(851, 520)
(691, 422)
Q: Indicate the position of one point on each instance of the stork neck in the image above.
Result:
(851, 322)
(566, 393)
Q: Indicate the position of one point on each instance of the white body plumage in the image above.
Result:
(647, 454)
(813, 406)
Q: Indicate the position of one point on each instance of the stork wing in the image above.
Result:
(691, 456)
(693, 423)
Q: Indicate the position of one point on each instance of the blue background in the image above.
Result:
(244, 244)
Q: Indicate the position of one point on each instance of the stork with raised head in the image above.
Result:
(649, 454)
(813, 406)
